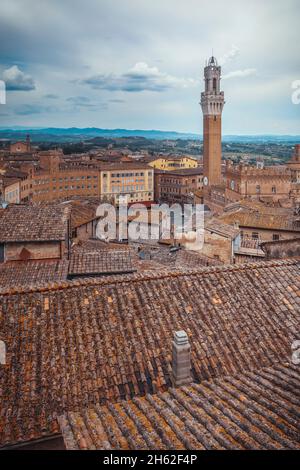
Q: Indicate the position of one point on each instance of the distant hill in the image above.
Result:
(74, 134)
(89, 132)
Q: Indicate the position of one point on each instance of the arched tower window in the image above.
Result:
(215, 84)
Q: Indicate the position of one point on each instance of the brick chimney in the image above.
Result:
(181, 359)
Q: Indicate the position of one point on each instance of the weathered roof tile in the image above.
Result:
(71, 344)
(227, 413)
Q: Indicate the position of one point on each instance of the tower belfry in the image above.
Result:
(212, 103)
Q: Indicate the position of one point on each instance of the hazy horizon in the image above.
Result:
(24, 128)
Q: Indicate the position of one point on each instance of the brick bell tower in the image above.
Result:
(212, 102)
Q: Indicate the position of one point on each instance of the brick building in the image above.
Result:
(34, 233)
(261, 223)
(294, 167)
(64, 183)
(56, 180)
(21, 147)
(177, 185)
(270, 183)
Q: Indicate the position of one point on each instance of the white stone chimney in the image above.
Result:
(2, 353)
(181, 359)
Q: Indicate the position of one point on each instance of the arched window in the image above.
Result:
(215, 84)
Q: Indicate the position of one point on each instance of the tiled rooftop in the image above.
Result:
(225, 230)
(74, 344)
(101, 262)
(92, 245)
(260, 220)
(254, 410)
(83, 212)
(182, 171)
(125, 166)
(256, 214)
(26, 273)
(181, 259)
(33, 223)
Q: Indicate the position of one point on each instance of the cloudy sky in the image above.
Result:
(139, 63)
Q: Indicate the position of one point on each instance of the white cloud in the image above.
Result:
(60, 47)
(141, 77)
(230, 55)
(239, 74)
(15, 79)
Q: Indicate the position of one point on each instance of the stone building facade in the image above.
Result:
(135, 181)
(21, 147)
(277, 184)
(270, 183)
(177, 185)
(10, 190)
(57, 180)
(170, 163)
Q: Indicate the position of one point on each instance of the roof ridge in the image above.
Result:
(143, 276)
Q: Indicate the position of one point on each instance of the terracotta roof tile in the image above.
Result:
(237, 412)
(28, 273)
(74, 344)
(33, 223)
(261, 218)
(101, 262)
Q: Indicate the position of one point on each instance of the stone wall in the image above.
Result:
(217, 247)
(266, 235)
(86, 231)
(282, 249)
(33, 250)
